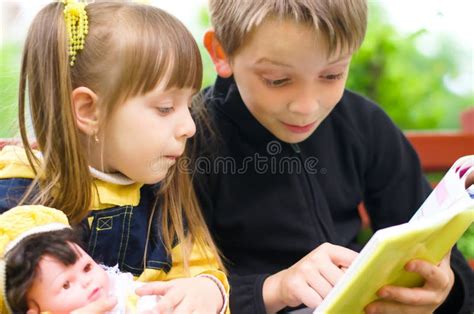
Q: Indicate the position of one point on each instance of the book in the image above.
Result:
(429, 235)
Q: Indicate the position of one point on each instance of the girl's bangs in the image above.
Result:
(164, 54)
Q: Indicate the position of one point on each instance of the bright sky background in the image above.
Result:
(453, 17)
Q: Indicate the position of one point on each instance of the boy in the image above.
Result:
(296, 153)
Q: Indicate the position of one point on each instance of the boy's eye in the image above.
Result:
(165, 110)
(66, 285)
(276, 83)
(334, 77)
(87, 268)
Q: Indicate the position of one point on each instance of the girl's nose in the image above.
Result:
(186, 127)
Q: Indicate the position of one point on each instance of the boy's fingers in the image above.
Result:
(409, 296)
(342, 256)
(320, 285)
(307, 295)
(436, 277)
(390, 307)
(153, 288)
(332, 273)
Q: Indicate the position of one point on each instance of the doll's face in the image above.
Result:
(61, 289)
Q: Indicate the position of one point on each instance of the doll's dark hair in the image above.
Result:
(22, 262)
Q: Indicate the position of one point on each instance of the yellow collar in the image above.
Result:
(108, 194)
(14, 164)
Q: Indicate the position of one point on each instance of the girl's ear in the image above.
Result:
(217, 54)
(33, 307)
(84, 106)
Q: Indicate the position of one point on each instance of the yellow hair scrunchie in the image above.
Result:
(77, 26)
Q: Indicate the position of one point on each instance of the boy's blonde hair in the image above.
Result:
(342, 23)
(129, 49)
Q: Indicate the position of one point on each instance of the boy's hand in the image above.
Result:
(185, 295)
(439, 281)
(309, 280)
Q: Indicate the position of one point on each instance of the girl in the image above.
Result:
(109, 88)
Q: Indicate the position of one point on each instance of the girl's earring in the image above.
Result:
(96, 138)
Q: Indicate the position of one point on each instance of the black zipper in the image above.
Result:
(313, 209)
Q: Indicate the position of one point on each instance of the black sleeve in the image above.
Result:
(395, 189)
(246, 293)
(395, 186)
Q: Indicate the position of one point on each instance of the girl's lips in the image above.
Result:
(298, 128)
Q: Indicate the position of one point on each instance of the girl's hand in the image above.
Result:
(439, 281)
(185, 295)
(308, 281)
(102, 305)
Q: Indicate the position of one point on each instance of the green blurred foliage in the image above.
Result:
(466, 243)
(410, 86)
(9, 74)
(209, 75)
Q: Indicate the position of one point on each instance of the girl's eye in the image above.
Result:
(334, 77)
(66, 285)
(276, 83)
(87, 268)
(165, 110)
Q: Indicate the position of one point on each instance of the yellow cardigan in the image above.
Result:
(14, 165)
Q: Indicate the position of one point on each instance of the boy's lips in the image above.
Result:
(299, 128)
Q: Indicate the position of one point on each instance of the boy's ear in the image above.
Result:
(84, 106)
(32, 311)
(217, 54)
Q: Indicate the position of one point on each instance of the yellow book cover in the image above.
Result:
(429, 235)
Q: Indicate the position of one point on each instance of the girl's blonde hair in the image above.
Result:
(129, 49)
(342, 23)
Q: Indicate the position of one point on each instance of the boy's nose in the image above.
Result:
(304, 105)
(306, 102)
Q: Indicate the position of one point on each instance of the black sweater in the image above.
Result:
(269, 203)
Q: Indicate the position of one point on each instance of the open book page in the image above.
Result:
(429, 235)
(451, 189)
